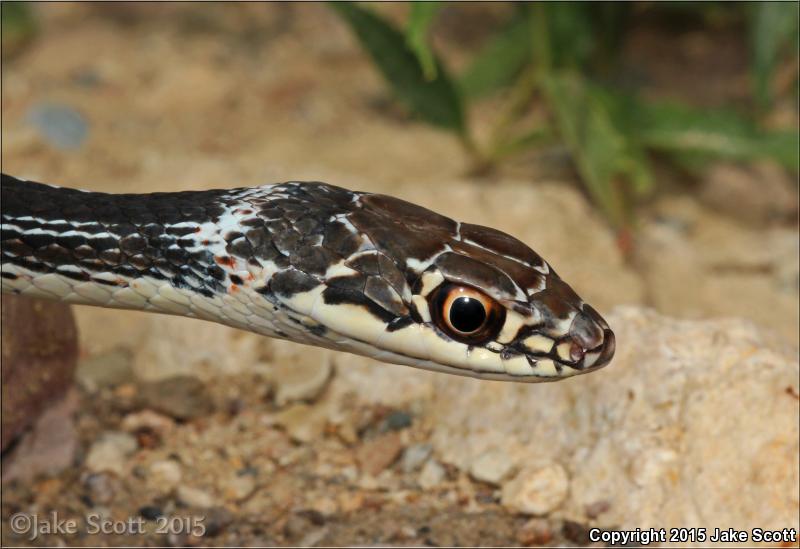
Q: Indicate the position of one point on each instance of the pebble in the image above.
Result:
(194, 497)
(105, 370)
(181, 397)
(535, 532)
(302, 379)
(164, 476)
(396, 421)
(576, 532)
(536, 491)
(148, 420)
(151, 512)
(109, 453)
(303, 423)
(239, 487)
(415, 456)
(432, 475)
(216, 520)
(61, 126)
(492, 466)
(379, 453)
(100, 487)
(594, 510)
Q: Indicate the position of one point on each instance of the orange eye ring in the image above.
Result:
(466, 314)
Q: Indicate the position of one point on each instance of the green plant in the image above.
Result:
(554, 57)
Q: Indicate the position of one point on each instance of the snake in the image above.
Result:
(311, 263)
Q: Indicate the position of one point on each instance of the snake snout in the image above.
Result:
(592, 339)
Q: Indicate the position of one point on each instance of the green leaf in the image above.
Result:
(18, 27)
(607, 156)
(772, 26)
(713, 133)
(422, 14)
(437, 101)
(500, 61)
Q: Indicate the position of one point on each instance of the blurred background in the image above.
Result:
(648, 150)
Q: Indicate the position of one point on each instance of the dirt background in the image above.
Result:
(178, 97)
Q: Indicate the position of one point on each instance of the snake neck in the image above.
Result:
(199, 254)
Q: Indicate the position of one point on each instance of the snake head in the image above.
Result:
(420, 289)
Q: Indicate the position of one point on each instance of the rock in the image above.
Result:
(303, 423)
(396, 421)
(535, 532)
(105, 370)
(164, 476)
(415, 456)
(432, 475)
(239, 486)
(692, 243)
(148, 420)
(39, 353)
(182, 397)
(109, 453)
(665, 433)
(757, 194)
(151, 512)
(216, 520)
(101, 488)
(536, 491)
(61, 126)
(299, 373)
(379, 453)
(48, 447)
(492, 466)
(194, 497)
(168, 347)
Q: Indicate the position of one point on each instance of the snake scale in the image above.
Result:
(311, 263)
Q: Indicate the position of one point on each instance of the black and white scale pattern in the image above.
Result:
(309, 262)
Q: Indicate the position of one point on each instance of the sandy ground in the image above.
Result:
(177, 97)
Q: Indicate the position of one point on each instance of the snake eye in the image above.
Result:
(467, 314)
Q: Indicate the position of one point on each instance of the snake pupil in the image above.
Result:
(467, 314)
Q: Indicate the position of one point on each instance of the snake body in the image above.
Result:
(311, 263)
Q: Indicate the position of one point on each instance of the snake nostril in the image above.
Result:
(586, 332)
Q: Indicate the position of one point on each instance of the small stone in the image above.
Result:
(105, 370)
(415, 456)
(216, 520)
(379, 453)
(492, 466)
(301, 377)
(314, 537)
(164, 476)
(594, 510)
(536, 491)
(194, 497)
(110, 452)
(181, 397)
(151, 512)
(576, 532)
(396, 421)
(49, 446)
(148, 420)
(100, 487)
(535, 532)
(296, 525)
(239, 487)
(432, 475)
(325, 506)
(303, 423)
(61, 126)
